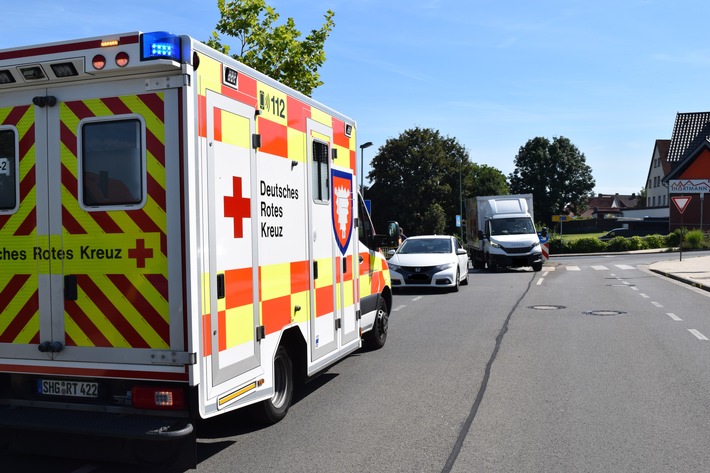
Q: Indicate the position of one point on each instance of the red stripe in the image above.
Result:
(68, 138)
(155, 147)
(85, 324)
(142, 306)
(21, 320)
(27, 141)
(148, 226)
(12, 288)
(156, 192)
(70, 224)
(28, 225)
(116, 106)
(28, 183)
(80, 109)
(96, 373)
(159, 282)
(15, 115)
(111, 312)
(104, 220)
(155, 103)
(3, 220)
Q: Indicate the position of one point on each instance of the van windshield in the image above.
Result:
(512, 226)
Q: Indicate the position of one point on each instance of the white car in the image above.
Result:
(429, 261)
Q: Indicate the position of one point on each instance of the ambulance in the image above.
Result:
(180, 237)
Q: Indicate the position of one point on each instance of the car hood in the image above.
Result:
(423, 259)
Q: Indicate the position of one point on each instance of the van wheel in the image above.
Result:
(376, 338)
(275, 408)
(492, 266)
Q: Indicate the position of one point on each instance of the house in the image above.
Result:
(689, 178)
(609, 206)
(656, 192)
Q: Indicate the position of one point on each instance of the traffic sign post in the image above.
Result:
(681, 202)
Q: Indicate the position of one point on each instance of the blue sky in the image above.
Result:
(610, 75)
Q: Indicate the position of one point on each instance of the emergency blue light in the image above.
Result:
(160, 45)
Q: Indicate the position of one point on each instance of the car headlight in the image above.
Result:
(536, 244)
(442, 267)
(393, 267)
(495, 244)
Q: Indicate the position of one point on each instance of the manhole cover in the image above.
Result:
(546, 307)
(604, 313)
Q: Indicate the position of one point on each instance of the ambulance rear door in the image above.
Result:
(97, 222)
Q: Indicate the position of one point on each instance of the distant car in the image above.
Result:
(429, 261)
(620, 232)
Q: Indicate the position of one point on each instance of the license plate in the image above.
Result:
(54, 387)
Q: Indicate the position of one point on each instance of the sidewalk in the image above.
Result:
(693, 270)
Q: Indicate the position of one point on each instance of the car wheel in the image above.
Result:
(275, 408)
(457, 280)
(464, 281)
(537, 267)
(376, 338)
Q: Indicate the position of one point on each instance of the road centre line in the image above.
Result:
(399, 307)
(657, 304)
(697, 334)
(645, 296)
(674, 317)
(417, 298)
(634, 288)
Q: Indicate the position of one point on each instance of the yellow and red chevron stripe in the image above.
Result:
(122, 302)
(19, 297)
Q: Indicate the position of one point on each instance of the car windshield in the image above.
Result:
(512, 226)
(425, 245)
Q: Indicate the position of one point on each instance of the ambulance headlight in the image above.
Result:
(160, 45)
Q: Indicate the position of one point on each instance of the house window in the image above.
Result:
(8, 171)
(654, 201)
(112, 163)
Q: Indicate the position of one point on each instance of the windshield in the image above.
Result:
(512, 226)
(425, 245)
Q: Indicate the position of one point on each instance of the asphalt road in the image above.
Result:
(592, 365)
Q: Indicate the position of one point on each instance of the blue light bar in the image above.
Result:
(160, 45)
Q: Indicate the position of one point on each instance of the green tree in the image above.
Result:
(417, 182)
(275, 50)
(481, 179)
(555, 172)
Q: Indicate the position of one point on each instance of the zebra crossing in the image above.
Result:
(595, 267)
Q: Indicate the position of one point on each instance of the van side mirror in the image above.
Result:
(480, 234)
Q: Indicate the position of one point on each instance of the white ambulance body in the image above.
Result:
(180, 236)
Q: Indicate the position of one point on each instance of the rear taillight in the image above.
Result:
(151, 397)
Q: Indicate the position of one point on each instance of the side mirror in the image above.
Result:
(390, 252)
(393, 229)
(480, 234)
(461, 251)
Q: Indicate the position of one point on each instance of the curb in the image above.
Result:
(683, 280)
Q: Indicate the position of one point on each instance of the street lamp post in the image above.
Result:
(362, 166)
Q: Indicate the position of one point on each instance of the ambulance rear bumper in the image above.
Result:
(93, 435)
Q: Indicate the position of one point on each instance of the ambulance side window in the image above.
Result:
(8, 171)
(112, 164)
(364, 224)
(321, 172)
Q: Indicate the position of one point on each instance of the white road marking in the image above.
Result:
(600, 268)
(674, 317)
(634, 288)
(573, 268)
(548, 268)
(657, 304)
(627, 283)
(417, 298)
(539, 282)
(399, 307)
(697, 334)
(645, 296)
(624, 266)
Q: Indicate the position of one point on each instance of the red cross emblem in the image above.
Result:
(237, 207)
(140, 253)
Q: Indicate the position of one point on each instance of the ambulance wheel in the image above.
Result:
(376, 338)
(275, 408)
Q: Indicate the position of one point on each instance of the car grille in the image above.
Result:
(417, 274)
(517, 251)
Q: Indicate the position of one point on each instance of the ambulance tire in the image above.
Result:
(274, 409)
(376, 338)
